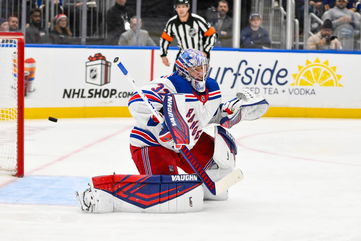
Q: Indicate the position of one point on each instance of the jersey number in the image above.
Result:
(160, 90)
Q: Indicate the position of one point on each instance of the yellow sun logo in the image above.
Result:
(317, 74)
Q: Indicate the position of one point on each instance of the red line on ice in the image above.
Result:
(78, 150)
(238, 140)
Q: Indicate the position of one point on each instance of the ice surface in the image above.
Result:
(302, 182)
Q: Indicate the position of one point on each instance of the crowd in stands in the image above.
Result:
(337, 25)
(11, 24)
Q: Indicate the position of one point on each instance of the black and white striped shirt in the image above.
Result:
(196, 33)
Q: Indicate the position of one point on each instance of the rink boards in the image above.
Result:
(82, 81)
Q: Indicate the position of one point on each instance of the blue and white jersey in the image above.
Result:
(146, 131)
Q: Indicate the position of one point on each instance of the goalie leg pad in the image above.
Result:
(216, 174)
(224, 160)
(93, 200)
(143, 193)
(225, 148)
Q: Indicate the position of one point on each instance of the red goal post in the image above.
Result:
(12, 103)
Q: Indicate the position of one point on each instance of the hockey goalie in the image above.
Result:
(169, 138)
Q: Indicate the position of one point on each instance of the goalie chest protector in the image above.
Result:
(194, 109)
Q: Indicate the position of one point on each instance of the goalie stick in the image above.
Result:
(217, 187)
(131, 80)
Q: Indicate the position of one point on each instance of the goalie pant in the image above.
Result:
(216, 155)
(156, 160)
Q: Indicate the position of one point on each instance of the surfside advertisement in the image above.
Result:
(89, 77)
(292, 79)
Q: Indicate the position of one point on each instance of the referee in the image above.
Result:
(191, 31)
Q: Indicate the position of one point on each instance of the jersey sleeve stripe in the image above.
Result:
(215, 95)
(151, 97)
(145, 133)
(218, 92)
(144, 136)
(140, 138)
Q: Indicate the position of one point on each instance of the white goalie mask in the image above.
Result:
(193, 65)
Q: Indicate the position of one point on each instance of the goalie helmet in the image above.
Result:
(193, 66)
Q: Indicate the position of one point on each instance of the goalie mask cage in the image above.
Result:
(12, 103)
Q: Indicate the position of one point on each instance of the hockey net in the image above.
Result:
(12, 103)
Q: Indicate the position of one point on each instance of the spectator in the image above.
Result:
(14, 7)
(344, 21)
(55, 5)
(34, 33)
(136, 36)
(13, 23)
(331, 3)
(61, 33)
(299, 10)
(58, 8)
(117, 21)
(358, 7)
(324, 38)
(254, 36)
(191, 31)
(73, 10)
(4, 25)
(316, 7)
(246, 10)
(222, 23)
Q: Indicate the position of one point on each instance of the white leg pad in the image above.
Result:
(216, 174)
(140, 193)
(225, 148)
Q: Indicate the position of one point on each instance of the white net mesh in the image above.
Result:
(8, 104)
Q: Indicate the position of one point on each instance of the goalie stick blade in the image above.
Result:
(232, 178)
